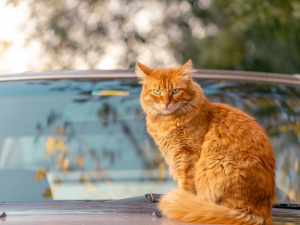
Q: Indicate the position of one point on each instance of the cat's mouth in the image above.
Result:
(166, 110)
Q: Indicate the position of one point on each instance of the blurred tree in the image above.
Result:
(252, 35)
(215, 34)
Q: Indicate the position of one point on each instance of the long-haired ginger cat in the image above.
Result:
(221, 158)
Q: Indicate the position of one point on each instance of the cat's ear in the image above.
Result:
(142, 71)
(186, 70)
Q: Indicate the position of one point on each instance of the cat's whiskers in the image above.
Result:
(140, 115)
(151, 109)
(167, 110)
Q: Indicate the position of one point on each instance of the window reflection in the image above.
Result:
(87, 145)
(88, 139)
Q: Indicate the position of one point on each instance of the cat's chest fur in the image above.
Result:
(177, 137)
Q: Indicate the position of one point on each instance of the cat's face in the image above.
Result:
(166, 91)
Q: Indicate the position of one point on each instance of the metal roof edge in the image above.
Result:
(202, 73)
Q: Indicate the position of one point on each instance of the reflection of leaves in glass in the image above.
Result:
(62, 162)
(51, 118)
(57, 146)
(81, 100)
(69, 154)
(47, 193)
(110, 155)
(40, 174)
(54, 144)
(104, 113)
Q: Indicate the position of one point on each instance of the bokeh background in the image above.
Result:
(262, 35)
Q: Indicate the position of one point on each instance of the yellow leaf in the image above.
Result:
(50, 146)
(40, 174)
(47, 193)
(59, 161)
(65, 164)
(297, 165)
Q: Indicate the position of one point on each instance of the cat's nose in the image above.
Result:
(166, 101)
(166, 104)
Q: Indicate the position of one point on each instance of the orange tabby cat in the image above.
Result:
(221, 158)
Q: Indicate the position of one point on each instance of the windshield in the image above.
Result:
(87, 140)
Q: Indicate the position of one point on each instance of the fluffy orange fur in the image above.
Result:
(221, 158)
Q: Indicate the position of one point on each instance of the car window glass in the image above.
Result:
(87, 138)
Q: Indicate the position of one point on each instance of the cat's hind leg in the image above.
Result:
(210, 179)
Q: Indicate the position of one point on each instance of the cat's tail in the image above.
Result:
(184, 206)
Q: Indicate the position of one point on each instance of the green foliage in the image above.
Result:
(215, 34)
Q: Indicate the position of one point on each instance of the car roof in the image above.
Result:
(292, 79)
(137, 210)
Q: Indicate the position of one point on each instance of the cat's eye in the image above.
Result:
(176, 91)
(157, 92)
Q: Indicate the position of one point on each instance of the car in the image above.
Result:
(74, 147)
